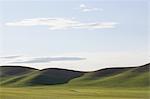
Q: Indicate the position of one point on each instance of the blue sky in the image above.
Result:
(75, 34)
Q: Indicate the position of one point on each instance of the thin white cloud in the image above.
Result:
(49, 59)
(85, 8)
(10, 57)
(62, 23)
(93, 61)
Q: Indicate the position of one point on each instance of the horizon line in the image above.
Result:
(70, 69)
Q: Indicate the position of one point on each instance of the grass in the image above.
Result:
(133, 83)
(125, 79)
(109, 77)
(66, 92)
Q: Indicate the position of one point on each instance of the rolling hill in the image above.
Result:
(108, 77)
(116, 77)
(24, 76)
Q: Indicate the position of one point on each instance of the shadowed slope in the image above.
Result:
(6, 71)
(53, 76)
(22, 76)
(116, 77)
(109, 77)
(11, 74)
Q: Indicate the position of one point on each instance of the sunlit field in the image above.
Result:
(65, 92)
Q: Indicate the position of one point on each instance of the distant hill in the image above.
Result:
(24, 76)
(7, 71)
(12, 74)
(52, 76)
(108, 77)
(116, 77)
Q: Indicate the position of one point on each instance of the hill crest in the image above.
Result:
(26, 76)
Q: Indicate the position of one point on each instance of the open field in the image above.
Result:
(110, 83)
(65, 92)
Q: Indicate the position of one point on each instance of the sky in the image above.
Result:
(81, 35)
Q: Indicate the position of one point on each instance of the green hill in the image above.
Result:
(116, 77)
(11, 74)
(108, 77)
(23, 76)
(51, 76)
(9, 71)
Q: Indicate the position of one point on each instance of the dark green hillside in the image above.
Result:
(11, 74)
(109, 77)
(6, 71)
(22, 76)
(53, 76)
(116, 77)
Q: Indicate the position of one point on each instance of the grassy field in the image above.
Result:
(66, 92)
(111, 83)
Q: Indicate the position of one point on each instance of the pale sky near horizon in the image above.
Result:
(74, 34)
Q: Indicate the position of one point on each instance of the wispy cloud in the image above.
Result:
(50, 59)
(62, 23)
(10, 57)
(85, 8)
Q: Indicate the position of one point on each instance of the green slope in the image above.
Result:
(116, 77)
(11, 74)
(9, 71)
(54, 76)
(109, 77)
(31, 77)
